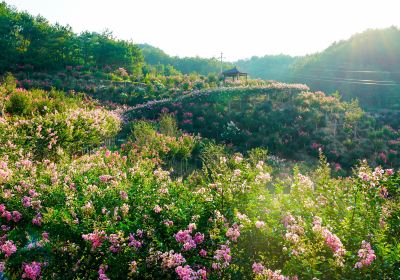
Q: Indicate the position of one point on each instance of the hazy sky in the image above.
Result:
(240, 29)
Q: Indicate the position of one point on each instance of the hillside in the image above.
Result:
(363, 67)
(118, 161)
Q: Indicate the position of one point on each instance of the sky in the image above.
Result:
(238, 28)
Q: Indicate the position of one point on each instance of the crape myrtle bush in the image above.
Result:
(116, 85)
(48, 124)
(289, 121)
(118, 215)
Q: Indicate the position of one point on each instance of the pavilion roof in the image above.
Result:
(233, 71)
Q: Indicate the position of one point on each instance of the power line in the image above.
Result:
(349, 81)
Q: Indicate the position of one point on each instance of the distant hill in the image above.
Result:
(186, 65)
(268, 67)
(366, 66)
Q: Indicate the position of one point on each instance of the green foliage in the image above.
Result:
(32, 43)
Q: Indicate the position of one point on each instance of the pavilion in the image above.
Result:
(234, 73)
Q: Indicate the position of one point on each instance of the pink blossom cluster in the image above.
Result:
(331, 240)
(15, 215)
(97, 238)
(259, 269)
(37, 220)
(5, 172)
(223, 256)
(171, 259)
(187, 273)
(8, 248)
(233, 232)
(105, 178)
(116, 242)
(185, 237)
(260, 224)
(366, 255)
(102, 272)
(157, 209)
(133, 242)
(32, 270)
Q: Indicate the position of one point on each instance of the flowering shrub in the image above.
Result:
(127, 214)
(69, 130)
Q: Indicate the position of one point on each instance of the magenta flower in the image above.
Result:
(37, 221)
(16, 216)
(198, 238)
(32, 270)
(203, 253)
(7, 215)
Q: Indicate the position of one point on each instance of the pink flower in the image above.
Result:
(45, 236)
(184, 273)
(168, 223)
(223, 255)
(258, 268)
(115, 241)
(124, 195)
(7, 215)
(97, 238)
(26, 201)
(187, 273)
(157, 209)
(133, 242)
(190, 244)
(203, 253)
(2, 266)
(37, 221)
(366, 255)
(191, 227)
(171, 259)
(102, 272)
(16, 216)
(198, 238)
(105, 178)
(183, 236)
(8, 248)
(260, 224)
(233, 233)
(389, 172)
(32, 270)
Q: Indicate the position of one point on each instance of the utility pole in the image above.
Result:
(221, 57)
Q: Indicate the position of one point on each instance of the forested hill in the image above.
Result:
(268, 67)
(186, 65)
(33, 44)
(366, 67)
